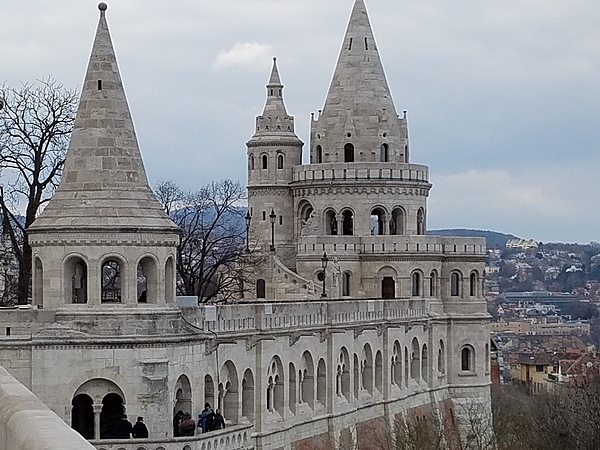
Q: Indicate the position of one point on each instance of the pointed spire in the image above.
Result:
(274, 119)
(359, 85)
(274, 80)
(104, 181)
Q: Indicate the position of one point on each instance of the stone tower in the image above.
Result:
(273, 152)
(103, 240)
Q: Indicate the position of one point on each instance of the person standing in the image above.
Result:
(140, 431)
(187, 426)
(205, 418)
(176, 421)
(123, 428)
(218, 421)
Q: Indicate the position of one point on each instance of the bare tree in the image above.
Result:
(35, 127)
(212, 261)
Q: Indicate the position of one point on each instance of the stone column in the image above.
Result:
(97, 410)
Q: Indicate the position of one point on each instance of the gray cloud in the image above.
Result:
(502, 96)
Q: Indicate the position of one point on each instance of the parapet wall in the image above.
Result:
(27, 424)
(361, 171)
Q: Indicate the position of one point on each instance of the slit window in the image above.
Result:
(350, 45)
(99, 85)
(366, 44)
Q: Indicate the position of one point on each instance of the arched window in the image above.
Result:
(147, 283)
(377, 222)
(82, 415)
(420, 221)
(379, 371)
(322, 383)
(397, 221)
(473, 284)
(424, 364)
(228, 392)
(415, 360)
(433, 281)
(331, 223)
(183, 394)
(261, 291)
(346, 281)
(280, 161)
(397, 365)
(248, 395)
(455, 284)
(112, 410)
(441, 358)
(319, 154)
(467, 357)
(111, 281)
(264, 161)
(275, 386)
(367, 369)
(356, 375)
(348, 223)
(38, 282)
(169, 280)
(384, 153)
(416, 284)
(292, 388)
(307, 379)
(344, 373)
(251, 162)
(348, 153)
(76, 280)
(209, 390)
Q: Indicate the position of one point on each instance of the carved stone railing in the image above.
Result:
(390, 244)
(360, 172)
(250, 318)
(234, 438)
(27, 424)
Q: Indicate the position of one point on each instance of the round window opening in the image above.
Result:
(348, 134)
(384, 134)
(320, 276)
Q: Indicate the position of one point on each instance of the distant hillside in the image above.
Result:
(493, 238)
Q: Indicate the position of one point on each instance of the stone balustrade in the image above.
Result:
(234, 438)
(27, 424)
(252, 318)
(361, 171)
(390, 244)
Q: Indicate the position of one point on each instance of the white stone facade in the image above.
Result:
(402, 329)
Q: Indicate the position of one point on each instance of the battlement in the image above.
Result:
(362, 171)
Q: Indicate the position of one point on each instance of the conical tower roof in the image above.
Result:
(104, 184)
(359, 83)
(274, 123)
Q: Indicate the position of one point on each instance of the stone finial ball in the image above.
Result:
(102, 6)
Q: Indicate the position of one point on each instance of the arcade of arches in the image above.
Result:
(292, 386)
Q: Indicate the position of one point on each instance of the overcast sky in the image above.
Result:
(503, 97)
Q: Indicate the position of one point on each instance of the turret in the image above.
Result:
(103, 239)
(273, 152)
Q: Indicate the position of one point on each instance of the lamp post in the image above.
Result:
(248, 219)
(324, 261)
(272, 218)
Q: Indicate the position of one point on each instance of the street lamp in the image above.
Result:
(324, 261)
(272, 218)
(248, 219)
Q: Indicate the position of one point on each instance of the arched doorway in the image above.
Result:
(82, 415)
(248, 395)
(112, 411)
(388, 287)
(183, 395)
(228, 392)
